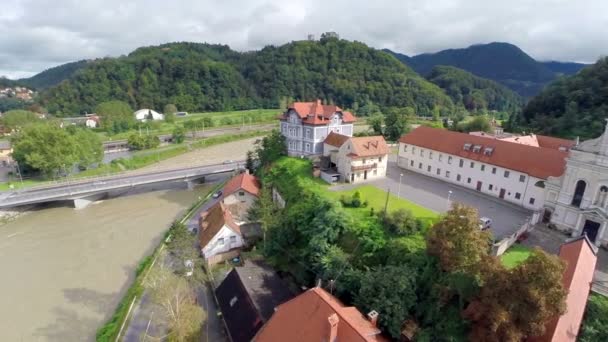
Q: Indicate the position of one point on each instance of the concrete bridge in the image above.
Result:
(84, 192)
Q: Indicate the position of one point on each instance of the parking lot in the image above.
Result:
(433, 194)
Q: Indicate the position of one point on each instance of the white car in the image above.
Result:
(485, 223)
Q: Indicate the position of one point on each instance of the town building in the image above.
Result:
(577, 200)
(305, 125)
(239, 194)
(316, 315)
(247, 298)
(510, 171)
(147, 114)
(354, 159)
(580, 257)
(5, 153)
(220, 236)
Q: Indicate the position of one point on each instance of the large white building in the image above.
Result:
(577, 201)
(507, 170)
(305, 126)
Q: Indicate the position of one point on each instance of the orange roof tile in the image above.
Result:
(369, 146)
(554, 143)
(535, 161)
(242, 181)
(212, 221)
(306, 318)
(336, 139)
(316, 113)
(580, 257)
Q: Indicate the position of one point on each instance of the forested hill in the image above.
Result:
(501, 62)
(475, 93)
(564, 68)
(53, 76)
(571, 106)
(202, 77)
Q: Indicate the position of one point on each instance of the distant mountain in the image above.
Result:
(501, 62)
(53, 76)
(203, 77)
(571, 106)
(564, 68)
(475, 93)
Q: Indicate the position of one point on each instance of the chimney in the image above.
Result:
(373, 317)
(333, 321)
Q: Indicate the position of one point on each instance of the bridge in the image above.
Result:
(84, 192)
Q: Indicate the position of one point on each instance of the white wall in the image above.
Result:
(307, 139)
(240, 196)
(469, 176)
(345, 163)
(215, 247)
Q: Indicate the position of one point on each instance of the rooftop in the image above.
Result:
(242, 181)
(316, 113)
(369, 146)
(212, 221)
(336, 139)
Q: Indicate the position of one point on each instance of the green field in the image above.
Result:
(515, 255)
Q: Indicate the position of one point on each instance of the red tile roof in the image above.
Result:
(316, 113)
(212, 221)
(242, 181)
(369, 146)
(554, 143)
(336, 139)
(535, 161)
(580, 257)
(306, 318)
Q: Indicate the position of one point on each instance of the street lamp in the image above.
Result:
(448, 201)
(399, 188)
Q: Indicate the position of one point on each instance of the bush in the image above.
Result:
(402, 222)
(353, 201)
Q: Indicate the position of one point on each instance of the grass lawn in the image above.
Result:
(515, 255)
(18, 185)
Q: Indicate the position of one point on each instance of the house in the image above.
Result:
(580, 256)
(5, 153)
(147, 114)
(305, 125)
(218, 234)
(247, 298)
(239, 193)
(577, 200)
(316, 315)
(355, 159)
(92, 121)
(509, 171)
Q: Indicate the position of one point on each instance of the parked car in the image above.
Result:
(217, 194)
(485, 223)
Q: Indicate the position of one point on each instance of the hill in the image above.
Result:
(572, 106)
(501, 62)
(475, 93)
(564, 68)
(53, 76)
(203, 77)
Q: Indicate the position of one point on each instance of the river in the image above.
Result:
(65, 270)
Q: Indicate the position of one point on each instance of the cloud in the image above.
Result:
(37, 34)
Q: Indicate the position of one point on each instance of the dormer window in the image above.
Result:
(488, 151)
(476, 148)
(467, 147)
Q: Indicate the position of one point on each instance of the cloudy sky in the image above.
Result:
(37, 34)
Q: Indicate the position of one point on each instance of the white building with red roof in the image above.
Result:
(218, 232)
(356, 159)
(239, 194)
(305, 125)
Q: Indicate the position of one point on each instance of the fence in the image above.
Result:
(501, 246)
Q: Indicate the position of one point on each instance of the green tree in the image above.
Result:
(136, 141)
(170, 109)
(594, 325)
(270, 148)
(375, 122)
(250, 161)
(179, 134)
(19, 118)
(395, 123)
(116, 116)
(477, 124)
(401, 222)
(88, 145)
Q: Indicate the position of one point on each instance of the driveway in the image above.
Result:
(433, 194)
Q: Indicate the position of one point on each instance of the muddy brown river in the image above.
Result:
(64, 270)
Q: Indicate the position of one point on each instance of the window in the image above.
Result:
(413, 149)
(375, 172)
(507, 174)
(440, 157)
(220, 241)
(233, 301)
(469, 180)
(483, 167)
(490, 187)
(430, 155)
(458, 178)
(461, 162)
(579, 191)
(411, 163)
(517, 195)
(422, 153)
(467, 147)
(488, 151)
(404, 148)
(428, 169)
(364, 160)
(493, 170)
(380, 160)
(449, 160)
(438, 171)
(476, 148)
(241, 193)
(531, 200)
(420, 165)
(472, 165)
(447, 174)
(233, 239)
(522, 178)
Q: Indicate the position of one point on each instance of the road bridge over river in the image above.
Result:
(83, 192)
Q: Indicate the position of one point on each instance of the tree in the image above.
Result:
(375, 122)
(271, 148)
(88, 145)
(458, 242)
(116, 116)
(250, 161)
(136, 141)
(395, 123)
(170, 109)
(179, 134)
(18, 118)
(515, 304)
(479, 123)
(391, 291)
(401, 222)
(594, 325)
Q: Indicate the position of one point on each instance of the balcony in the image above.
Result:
(363, 167)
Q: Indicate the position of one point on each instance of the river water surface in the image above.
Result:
(64, 270)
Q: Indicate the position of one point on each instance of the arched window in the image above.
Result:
(600, 200)
(579, 191)
(540, 184)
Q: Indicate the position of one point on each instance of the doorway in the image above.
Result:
(547, 216)
(479, 186)
(365, 174)
(352, 177)
(502, 193)
(591, 228)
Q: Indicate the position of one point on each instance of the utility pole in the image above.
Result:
(19, 170)
(388, 193)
